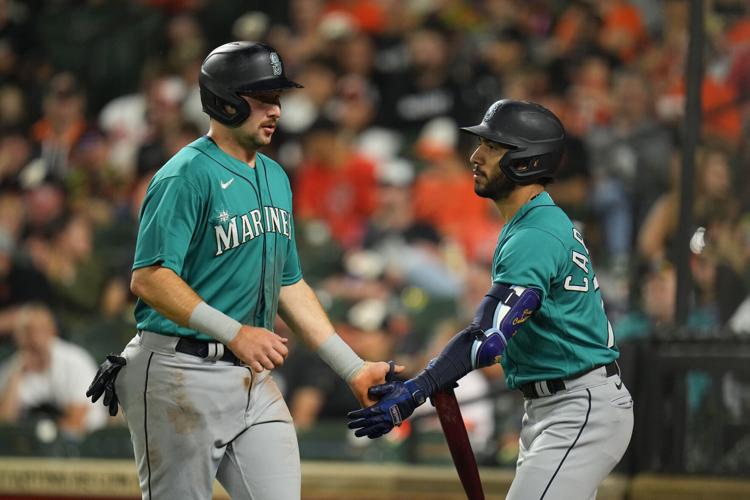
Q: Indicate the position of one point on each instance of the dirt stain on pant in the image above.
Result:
(183, 415)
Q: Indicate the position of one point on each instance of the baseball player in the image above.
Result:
(215, 260)
(543, 319)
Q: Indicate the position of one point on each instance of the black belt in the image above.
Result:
(531, 391)
(204, 349)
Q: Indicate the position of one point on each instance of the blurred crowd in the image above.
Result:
(95, 95)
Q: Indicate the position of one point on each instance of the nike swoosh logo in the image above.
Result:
(619, 386)
(225, 185)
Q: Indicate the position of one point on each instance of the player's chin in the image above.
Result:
(262, 140)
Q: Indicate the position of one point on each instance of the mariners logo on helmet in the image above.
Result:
(275, 63)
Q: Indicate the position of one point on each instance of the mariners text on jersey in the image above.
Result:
(231, 233)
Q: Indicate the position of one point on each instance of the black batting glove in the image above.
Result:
(104, 382)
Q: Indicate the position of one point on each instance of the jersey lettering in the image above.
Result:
(577, 235)
(581, 261)
(224, 239)
(247, 230)
(568, 285)
(285, 224)
(255, 214)
(277, 220)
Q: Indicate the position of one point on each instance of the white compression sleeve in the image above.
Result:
(214, 323)
(339, 356)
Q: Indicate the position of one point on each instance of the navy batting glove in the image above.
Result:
(104, 382)
(397, 401)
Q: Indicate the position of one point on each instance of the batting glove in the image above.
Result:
(397, 401)
(104, 382)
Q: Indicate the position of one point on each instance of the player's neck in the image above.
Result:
(520, 196)
(229, 144)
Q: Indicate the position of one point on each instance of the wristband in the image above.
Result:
(339, 356)
(214, 323)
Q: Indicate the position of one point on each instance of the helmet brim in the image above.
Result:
(485, 132)
(270, 84)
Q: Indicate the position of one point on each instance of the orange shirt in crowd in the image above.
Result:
(449, 203)
(622, 29)
(721, 112)
(42, 132)
(367, 14)
(343, 196)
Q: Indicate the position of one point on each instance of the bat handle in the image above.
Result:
(452, 422)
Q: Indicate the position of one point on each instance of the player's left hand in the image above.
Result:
(372, 373)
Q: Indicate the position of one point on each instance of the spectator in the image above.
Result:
(20, 282)
(13, 109)
(426, 90)
(335, 185)
(74, 269)
(630, 164)
(15, 153)
(714, 198)
(442, 188)
(48, 376)
(62, 124)
(413, 250)
(654, 315)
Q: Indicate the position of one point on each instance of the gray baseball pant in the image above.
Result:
(193, 419)
(572, 440)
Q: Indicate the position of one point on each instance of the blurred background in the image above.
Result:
(96, 95)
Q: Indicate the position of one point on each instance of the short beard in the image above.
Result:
(246, 141)
(498, 189)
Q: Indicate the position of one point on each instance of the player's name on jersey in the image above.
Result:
(236, 230)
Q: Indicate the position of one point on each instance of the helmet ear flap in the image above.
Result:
(216, 100)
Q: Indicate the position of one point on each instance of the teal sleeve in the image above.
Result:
(292, 268)
(168, 220)
(528, 259)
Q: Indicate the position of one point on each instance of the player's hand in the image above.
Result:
(372, 374)
(397, 402)
(258, 348)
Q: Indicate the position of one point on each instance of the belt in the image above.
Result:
(532, 390)
(207, 350)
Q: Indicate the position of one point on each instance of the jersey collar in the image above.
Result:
(208, 147)
(540, 200)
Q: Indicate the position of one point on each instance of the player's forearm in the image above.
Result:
(166, 292)
(453, 362)
(300, 309)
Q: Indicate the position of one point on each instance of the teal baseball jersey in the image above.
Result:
(570, 334)
(225, 228)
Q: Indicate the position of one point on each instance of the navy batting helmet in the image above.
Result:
(238, 68)
(534, 135)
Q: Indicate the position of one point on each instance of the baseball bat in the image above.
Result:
(458, 442)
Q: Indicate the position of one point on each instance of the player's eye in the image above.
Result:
(267, 97)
